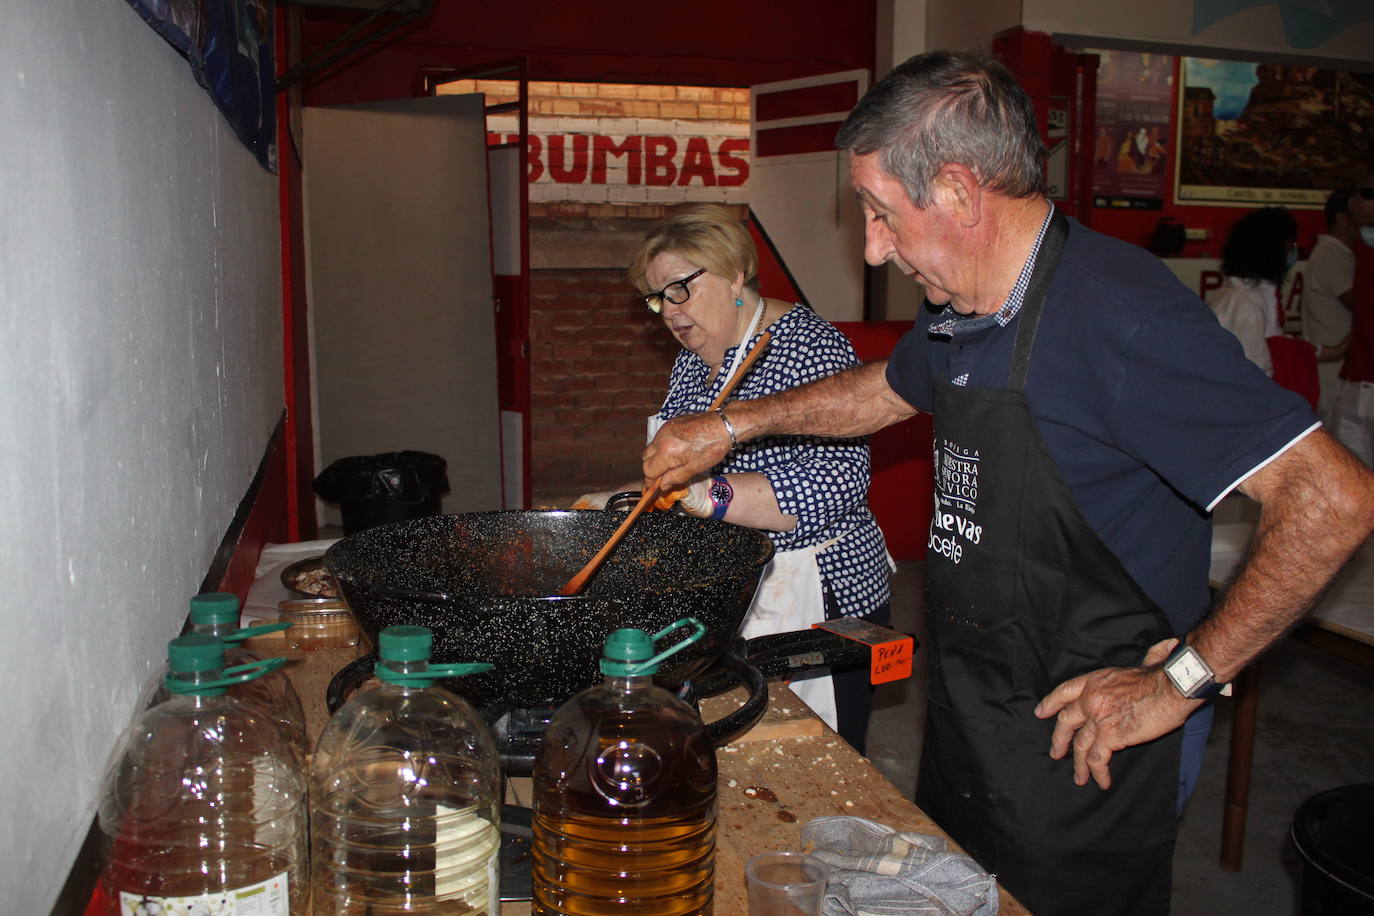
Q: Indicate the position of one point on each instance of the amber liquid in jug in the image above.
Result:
(624, 805)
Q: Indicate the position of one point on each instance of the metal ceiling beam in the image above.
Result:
(341, 47)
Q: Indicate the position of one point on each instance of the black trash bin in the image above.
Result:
(1332, 831)
(390, 487)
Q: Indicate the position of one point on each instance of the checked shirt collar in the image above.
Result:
(950, 323)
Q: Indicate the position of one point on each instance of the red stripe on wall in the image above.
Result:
(775, 280)
(803, 138)
(808, 100)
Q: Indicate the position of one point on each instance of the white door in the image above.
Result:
(799, 187)
(400, 288)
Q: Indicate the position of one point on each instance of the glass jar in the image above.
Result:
(318, 623)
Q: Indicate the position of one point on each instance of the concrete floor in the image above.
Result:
(1315, 732)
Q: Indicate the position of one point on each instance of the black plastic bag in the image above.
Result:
(389, 487)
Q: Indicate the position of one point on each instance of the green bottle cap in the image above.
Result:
(215, 608)
(625, 651)
(630, 652)
(187, 654)
(414, 644)
(405, 644)
(196, 654)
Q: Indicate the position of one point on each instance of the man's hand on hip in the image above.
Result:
(1103, 711)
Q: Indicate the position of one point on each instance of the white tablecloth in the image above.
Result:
(1346, 608)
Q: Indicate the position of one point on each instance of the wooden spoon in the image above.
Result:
(576, 583)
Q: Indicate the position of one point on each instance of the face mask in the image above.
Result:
(1292, 259)
(1367, 235)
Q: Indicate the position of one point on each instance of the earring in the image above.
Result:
(739, 303)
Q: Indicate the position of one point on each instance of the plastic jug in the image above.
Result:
(217, 614)
(405, 806)
(625, 793)
(203, 804)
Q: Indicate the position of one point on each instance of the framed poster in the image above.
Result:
(1130, 151)
(228, 44)
(1267, 134)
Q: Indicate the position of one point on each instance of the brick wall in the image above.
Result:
(599, 360)
(616, 100)
(621, 143)
(599, 366)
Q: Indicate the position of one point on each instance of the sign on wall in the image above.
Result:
(625, 160)
(1269, 134)
(1130, 151)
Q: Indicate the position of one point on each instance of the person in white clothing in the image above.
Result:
(1259, 252)
(1327, 296)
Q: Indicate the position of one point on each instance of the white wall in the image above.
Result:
(1253, 32)
(969, 25)
(139, 386)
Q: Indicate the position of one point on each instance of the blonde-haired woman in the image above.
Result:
(698, 272)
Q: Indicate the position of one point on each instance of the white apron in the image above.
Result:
(789, 595)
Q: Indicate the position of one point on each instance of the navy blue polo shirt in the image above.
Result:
(1147, 405)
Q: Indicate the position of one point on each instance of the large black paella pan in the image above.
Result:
(486, 583)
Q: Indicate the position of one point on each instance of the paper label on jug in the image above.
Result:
(266, 898)
(466, 851)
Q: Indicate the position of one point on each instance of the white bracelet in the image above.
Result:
(729, 427)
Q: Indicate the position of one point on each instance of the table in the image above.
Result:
(791, 752)
(1342, 623)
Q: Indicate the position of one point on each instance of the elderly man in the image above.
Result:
(1089, 412)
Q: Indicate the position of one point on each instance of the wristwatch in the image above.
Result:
(721, 494)
(1192, 676)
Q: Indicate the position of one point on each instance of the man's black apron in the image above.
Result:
(1022, 595)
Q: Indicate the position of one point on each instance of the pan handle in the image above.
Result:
(348, 679)
(628, 497)
(723, 731)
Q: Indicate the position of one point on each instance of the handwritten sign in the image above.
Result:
(890, 652)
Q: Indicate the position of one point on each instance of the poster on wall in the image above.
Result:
(228, 44)
(1130, 151)
(1270, 134)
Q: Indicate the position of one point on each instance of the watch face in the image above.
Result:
(721, 492)
(1187, 670)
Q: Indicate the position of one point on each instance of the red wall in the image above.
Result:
(709, 43)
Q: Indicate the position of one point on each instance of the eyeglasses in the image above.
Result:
(1366, 193)
(675, 292)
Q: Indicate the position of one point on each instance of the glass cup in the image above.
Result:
(786, 884)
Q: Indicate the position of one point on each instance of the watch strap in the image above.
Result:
(721, 495)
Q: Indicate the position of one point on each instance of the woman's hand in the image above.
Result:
(696, 499)
(595, 500)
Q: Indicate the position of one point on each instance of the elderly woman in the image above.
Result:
(697, 271)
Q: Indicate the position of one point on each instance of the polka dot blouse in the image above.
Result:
(823, 482)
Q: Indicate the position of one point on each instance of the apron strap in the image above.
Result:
(1051, 247)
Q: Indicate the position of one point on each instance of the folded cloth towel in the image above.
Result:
(876, 871)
